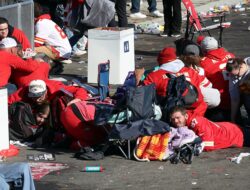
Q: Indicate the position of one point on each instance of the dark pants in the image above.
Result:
(120, 7)
(246, 135)
(172, 16)
(136, 6)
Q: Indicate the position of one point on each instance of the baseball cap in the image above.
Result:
(209, 43)
(37, 88)
(191, 49)
(8, 43)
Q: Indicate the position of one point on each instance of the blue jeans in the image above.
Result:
(136, 6)
(19, 174)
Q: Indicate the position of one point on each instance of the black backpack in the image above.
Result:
(177, 86)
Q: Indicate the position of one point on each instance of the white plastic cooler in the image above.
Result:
(114, 44)
(4, 128)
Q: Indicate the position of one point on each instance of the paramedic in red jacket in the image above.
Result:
(215, 135)
(214, 63)
(20, 72)
(170, 64)
(7, 30)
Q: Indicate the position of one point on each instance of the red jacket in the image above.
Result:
(161, 81)
(214, 64)
(20, 36)
(216, 135)
(12, 63)
(23, 79)
(53, 87)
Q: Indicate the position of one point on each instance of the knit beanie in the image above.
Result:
(166, 55)
(209, 43)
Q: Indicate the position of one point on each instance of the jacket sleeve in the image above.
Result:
(20, 64)
(78, 92)
(199, 126)
(22, 38)
(16, 96)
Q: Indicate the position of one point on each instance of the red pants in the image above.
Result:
(86, 133)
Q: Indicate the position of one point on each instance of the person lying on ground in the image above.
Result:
(239, 77)
(56, 93)
(215, 135)
(191, 58)
(26, 124)
(6, 30)
(169, 64)
(16, 70)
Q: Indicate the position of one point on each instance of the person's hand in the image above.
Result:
(39, 59)
(74, 101)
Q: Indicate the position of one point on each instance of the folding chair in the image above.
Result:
(195, 23)
(102, 90)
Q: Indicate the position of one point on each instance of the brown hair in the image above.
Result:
(191, 60)
(234, 63)
(178, 109)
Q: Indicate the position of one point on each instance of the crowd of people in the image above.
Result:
(221, 80)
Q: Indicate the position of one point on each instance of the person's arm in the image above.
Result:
(201, 128)
(18, 63)
(41, 34)
(22, 38)
(235, 99)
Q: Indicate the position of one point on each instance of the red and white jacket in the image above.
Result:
(48, 32)
(216, 135)
(214, 64)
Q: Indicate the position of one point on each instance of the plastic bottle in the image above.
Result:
(93, 169)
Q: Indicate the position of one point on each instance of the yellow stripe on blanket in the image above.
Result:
(153, 147)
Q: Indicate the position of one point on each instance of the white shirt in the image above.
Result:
(47, 31)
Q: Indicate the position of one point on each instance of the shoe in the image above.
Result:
(156, 13)
(78, 52)
(137, 15)
(66, 61)
(176, 35)
(164, 34)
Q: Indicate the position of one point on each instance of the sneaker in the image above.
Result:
(137, 15)
(164, 34)
(156, 13)
(79, 52)
(66, 61)
(176, 35)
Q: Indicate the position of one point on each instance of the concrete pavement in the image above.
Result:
(209, 171)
